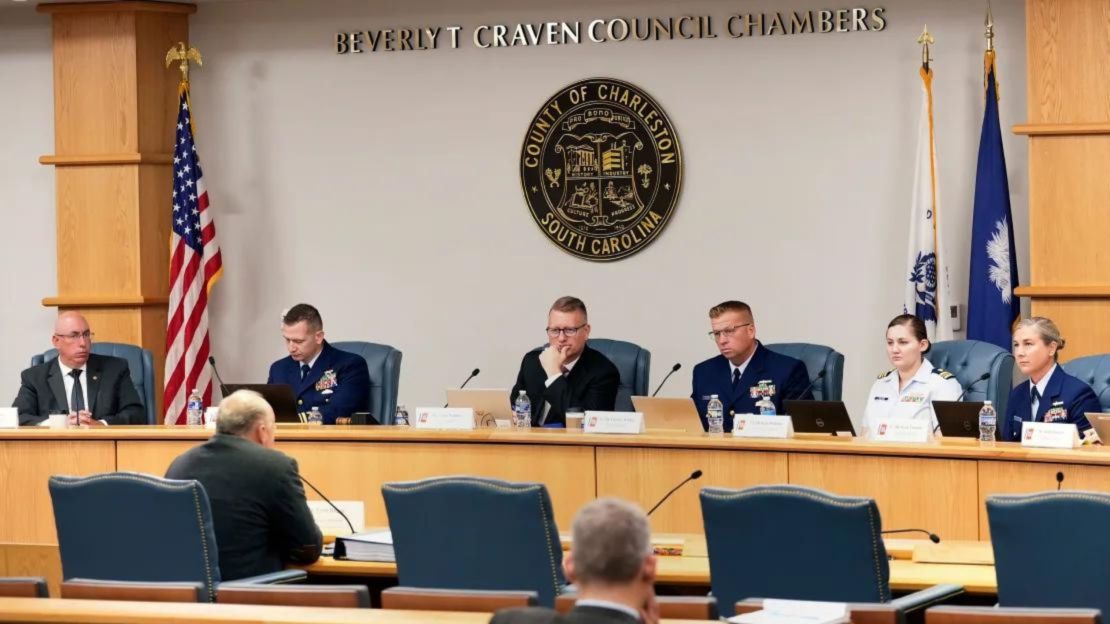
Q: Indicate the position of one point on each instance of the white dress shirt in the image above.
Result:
(67, 379)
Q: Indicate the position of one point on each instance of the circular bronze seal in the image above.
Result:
(601, 169)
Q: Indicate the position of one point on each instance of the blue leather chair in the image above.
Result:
(817, 358)
(139, 361)
(633, 362)
(1093, 370)
(785, 541)
(1050, 549)
(126, 526)
(968, 360)
(474, 533)
(384, 363)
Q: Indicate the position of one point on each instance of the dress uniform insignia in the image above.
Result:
(327, 380)
(881, 375)
(1056, 413)
(765, 388)
(943, 373)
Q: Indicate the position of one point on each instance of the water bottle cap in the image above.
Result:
(712, 396)
(987, 402)
(521, 393)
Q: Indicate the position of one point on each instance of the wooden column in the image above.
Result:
(115, 107)
(1069, 169)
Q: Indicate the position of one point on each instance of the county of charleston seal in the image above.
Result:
(601, 169)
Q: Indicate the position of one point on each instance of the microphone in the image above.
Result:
(321, 494)
(819, 377)
(933, 537)
(473, 374)
(223, 386)
(693, 475)
(673, 370)
(983, 377)
(1059, 480)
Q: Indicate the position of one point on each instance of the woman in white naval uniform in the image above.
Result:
(908, 391)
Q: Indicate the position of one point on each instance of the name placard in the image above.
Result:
(1049, 435)
(9, 418)
(614, 422)
(759, 426)
(453, 418)
(901, 430)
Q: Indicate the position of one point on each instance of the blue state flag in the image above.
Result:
(992, 307)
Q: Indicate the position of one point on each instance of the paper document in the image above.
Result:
(331, 522)
(796, 612)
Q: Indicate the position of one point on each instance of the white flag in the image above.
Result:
(927, 290)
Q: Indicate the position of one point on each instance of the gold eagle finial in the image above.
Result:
(925, 40)
(183, 55)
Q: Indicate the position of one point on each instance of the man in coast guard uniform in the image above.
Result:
(322, 376)
(745, 368)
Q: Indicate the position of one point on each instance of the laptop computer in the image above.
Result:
(676, 414)
(489, 405)
(819, 417)
(958, 419)
(279, 396)
(1101, 423)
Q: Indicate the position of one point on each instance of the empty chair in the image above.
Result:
(346, 596)
(969, 360)
(23, 587)
(1093, 370)
(474, 533)
(384, 364)
(824, 365)
(479, 601)
(140, 363)
(634, 364)
(996, 615)
(89, 589)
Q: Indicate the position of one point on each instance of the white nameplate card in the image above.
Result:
(1049, 435)
(9, 418)
(210, 416)
(456, 418)
(901, 430)
(614, 422)
(795, 612)
(759, 426)
(329, 520)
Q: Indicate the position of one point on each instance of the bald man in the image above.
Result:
(96, 390)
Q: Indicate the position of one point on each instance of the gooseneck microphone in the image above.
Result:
(693, 475)
(1059, 480)
(933, 537)
(326, 500)
(983, 377)
(819, 377)
(674, 369)
(223, 386)
(473, 374)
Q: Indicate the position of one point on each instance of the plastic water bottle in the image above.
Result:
(401, 416)
(766, 406)
(194, 410)
(715, 415)
(315, 417)
(988, 421)
(522, 411)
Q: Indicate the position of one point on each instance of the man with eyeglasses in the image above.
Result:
(745, 370)
(566, 373)
(95, 390)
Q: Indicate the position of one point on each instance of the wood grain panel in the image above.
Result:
(1068, 51)
(157, 86)
(154, 209)
(1000, 477)
(151, 456)
(33, 560)
(1083, 323)
(112, 324)
(25, 467)
(645, 475)
(98, 230)
(934, 494)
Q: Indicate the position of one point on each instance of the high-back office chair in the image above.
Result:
(968, 360)
(1050, 549)
(817, 358)
(1093, 370)
(633, 362)
(475, 533)
(384, 363)
(139, 361)
(134, 516)
(785, 541)
(87, 589)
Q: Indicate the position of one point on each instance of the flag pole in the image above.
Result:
(925, 40)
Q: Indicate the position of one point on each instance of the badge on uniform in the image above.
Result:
(765, 388)
(913, 398)
(1056, 413)
(327, 380)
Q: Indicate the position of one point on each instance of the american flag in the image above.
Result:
(195, 266)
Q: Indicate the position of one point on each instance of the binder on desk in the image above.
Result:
(370, 546)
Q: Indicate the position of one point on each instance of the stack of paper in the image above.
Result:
(372, 546)
(796, 612)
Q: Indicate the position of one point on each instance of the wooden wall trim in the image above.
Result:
(1065, 292)
(107, 159)
(105, 302)
(1068, 129)
(117, 7)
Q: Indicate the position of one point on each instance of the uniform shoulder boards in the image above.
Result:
(943, 373)
(881, 375)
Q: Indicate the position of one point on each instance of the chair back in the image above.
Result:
(469, 600)
(384, 363)
(139, 362)
(343, 596)
(634, 364)
(89, 589)
(1050, 549)
(968, 360)
(474, 533)
(1093, 370)
(799, 543)
(817, 358)
(132, 516)
(1001, 615)
(23, 587)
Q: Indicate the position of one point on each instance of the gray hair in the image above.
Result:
(1046, 329)
(240, 410)
(612, 539)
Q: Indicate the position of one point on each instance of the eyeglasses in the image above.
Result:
(75, 336)
(569, 332)
(727, 332)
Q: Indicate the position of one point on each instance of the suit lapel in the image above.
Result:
(1051, 393)
(92, 381)
(1025, 408)
(57, 386)
(752, 374)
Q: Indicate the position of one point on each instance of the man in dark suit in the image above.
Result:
(322, 376)
(745, 368)
(567, 373)
(612, 564)
(258, 505)
(96, 390)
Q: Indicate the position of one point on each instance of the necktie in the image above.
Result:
(564, 370)
(77, 398)
(735, 378)
(1035, 401)
(304, 371)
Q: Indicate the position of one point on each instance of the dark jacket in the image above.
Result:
(591, 385)
(577, 615)
(338, 383)
(1063, 390)
(714, 376)
(112, 395)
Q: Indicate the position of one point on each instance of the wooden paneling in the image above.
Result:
(157, 96)
(645, 475)
(152, 456)
(25, 467)
(934, 494)
(155, 207)
(1068, 50)
(33, 560)
(1085, 324)
(1000, 477)
(98, 230)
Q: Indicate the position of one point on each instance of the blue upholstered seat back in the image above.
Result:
(817, 358)
(126, 526)
(139, 361)
(784, 541)
(1051, 548)
(968, 360)
(634, 364)
(384, 363)
(1093, 370)
(472, 533)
